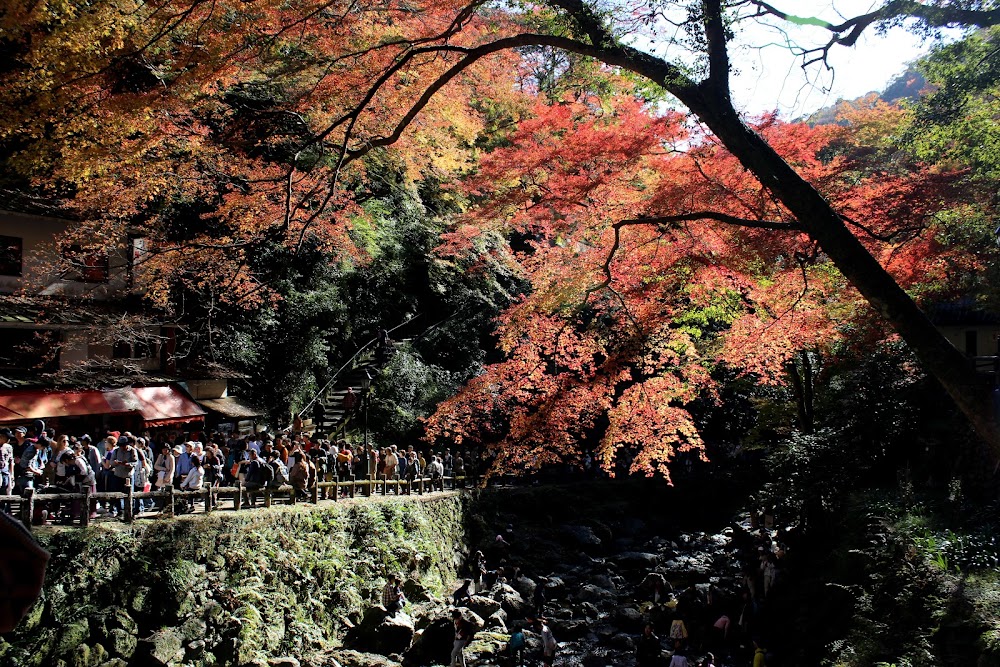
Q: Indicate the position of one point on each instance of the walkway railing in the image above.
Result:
(213, 498)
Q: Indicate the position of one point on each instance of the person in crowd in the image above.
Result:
(464, 593)
(164, 468)
(6, 466)
(183, 466)
(648, 649)
(392, 594)
(515, 646)
(279, 473)
(193, 481)
(463, 636)
(549, 644)
(298, 475)
(252, 478)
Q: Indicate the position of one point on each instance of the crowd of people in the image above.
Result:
(39, 458)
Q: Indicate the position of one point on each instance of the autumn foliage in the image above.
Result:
(213, 129)
(653, 257)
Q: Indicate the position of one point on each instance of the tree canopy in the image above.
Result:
(655, 241)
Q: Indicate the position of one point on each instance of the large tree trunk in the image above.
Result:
(817, 217)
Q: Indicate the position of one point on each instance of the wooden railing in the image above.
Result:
(212, 498)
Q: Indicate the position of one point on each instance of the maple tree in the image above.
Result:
(218, 126)
(628, 316)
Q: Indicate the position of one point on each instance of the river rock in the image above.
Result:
(594, 594)
(164, 647)
(603, 581)
(569, 629)
(622, 641)
(483, 606)
(394, 634)
(629, 618)
(510, 600)
(582, 536)
(432, 646)
(286, 661)
(636, 559)
(416, 591)
(497, 622)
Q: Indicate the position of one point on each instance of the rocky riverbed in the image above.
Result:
(597, 569)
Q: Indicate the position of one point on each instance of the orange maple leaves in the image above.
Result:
(653, 256)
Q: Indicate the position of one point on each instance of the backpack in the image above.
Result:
(469, 630)
(266, 475)
(280, 473)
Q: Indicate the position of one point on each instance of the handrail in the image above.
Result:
(213, 495)
(322, 391)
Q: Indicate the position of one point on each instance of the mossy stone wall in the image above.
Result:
(229, 588)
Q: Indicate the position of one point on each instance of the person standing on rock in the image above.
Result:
(549, 644)
(463, 636)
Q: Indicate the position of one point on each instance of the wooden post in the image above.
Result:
(420, 486)
(315, 493)
(369, 483)
(128, 515)
(354, 485)
(294, 495)
(238, 500)
(85, 510)
(170, 501)
(28, 507)
(336, 490)
(267, 497)
(385, 485)
(209, 498)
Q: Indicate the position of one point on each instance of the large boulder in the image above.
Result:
(510, 600)
(163, 647)
(636, 559)
(483, 606)
(629, 618)
(581, 536)
(432, 646)
(394, 634)
(594, 594)
(381, 632)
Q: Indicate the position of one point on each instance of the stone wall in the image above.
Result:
(229, 588)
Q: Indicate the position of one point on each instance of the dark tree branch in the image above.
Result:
(711, 215)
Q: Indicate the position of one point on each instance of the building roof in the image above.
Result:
(20, 201)
(230, 407)
(965, 312)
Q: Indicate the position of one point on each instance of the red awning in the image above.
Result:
(162, 406)
(19, 404)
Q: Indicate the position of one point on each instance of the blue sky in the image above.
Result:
(770, 77)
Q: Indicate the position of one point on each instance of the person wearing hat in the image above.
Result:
(20, 443)
(6, 467)
(31, 466)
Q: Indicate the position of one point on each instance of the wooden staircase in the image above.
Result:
(332, 418)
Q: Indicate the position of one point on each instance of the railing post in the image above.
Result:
(28, 507)
(267, 497)
(385, 485)
(85, 510)
(238, 500)
(293, 497)
(336, 490)
(315, 493)
(208, 499)
(128, 515)
(170, 501)
(354, 485)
